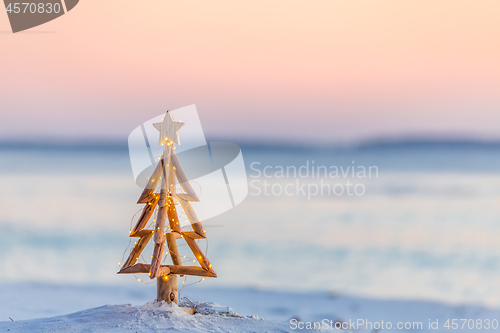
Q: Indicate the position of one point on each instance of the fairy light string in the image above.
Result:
(182, 218)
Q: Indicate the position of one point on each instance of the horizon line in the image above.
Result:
(374, 143)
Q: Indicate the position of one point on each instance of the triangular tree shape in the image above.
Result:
(168, 171)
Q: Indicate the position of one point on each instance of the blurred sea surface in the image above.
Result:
(426, 227)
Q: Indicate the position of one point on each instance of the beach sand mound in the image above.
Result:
(151, 317)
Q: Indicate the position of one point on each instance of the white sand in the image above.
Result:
(21, 302)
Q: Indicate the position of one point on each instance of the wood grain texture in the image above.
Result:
(137, 250)
(188, 209)
(172, 215)
(163, 201)
(192, 234)
(148, 210)
(190, 270)
(161, 219)
(202, 259)
(171, 179)
(198, 228)
(137, 268)
(192, 217)
(151, 185)
(173, 250)
(166, 289)
(168, 171)
(142, 233)
(156, 260)
(144, 268)
(164, 270)
(158, 174)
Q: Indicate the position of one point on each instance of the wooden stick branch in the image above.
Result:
(198, 228)
(144, 268)
(158, 173)
(169, 171)
(137, 250)
(173, 219)
(164, 270)
(202, 259)
(173, 250)
(172, 216)
(151, 185)
(156, 261)
(192, 234)
(192, 217)
(183, 180)
(148, 210)
(162, 216)
(163, 201)
(143, 232)
(190, 270)
(188, 209)
(171, 177)
(137, 268)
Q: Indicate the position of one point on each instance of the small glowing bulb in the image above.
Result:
(139, 280)
(203, 279)
(119, 263)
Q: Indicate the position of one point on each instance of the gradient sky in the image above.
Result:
(323, 70)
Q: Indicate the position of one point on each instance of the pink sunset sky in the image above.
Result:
(325, 71)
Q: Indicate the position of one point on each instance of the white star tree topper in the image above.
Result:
(169, 129)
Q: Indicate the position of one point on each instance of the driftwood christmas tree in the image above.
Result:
(160, 196)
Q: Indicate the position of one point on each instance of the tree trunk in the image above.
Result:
(167, 289)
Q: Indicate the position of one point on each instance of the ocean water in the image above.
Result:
(426, 225)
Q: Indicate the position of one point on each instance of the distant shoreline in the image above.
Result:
(381, 144)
